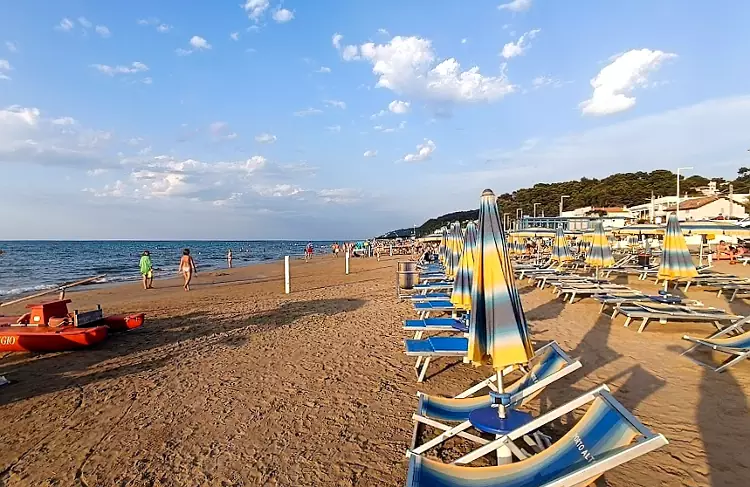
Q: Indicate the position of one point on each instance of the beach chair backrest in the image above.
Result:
(600, 441)
(542, 366)
(738, 342)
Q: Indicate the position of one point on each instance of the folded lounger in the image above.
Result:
(415, 298)
(670, 312)
(607, 436)
(549, 364)
(435, 324)
(425, 308)
(736, 346)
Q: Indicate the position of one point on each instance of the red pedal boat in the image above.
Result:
(49, 327)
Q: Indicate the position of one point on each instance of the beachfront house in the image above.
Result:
(708, 208)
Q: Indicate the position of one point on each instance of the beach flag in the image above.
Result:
(497, 323)
(461, 295)
(676, 261)
(599, 253)
(560, 248)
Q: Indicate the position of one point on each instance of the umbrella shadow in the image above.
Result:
(147, 348)
(547, 311)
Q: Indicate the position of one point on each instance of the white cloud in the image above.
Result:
(183, 52)
(4, 68)
(516, 6)
(370, 153)
(147, 80)
(221, 131)
(397, 106)
(336, 40)
(103, 31)
(199, 43)
(542, 81)
(424, 152)
(148, 21)
(335, 103)
(350, 53)
(265, 138)
(135, 141)
(308, 111)
(96, 172)
(235, 36)
(65, 25)
(134, 67)
(63, 121)
(383, 32)
(85, 23)
(464, 40)
(408, 65)
(518, 48)
(163, 28)
(323, 69)
(378, 114)
(282, 15)
(256, 8)
(616, 81)
(11, 46)
(334, 129)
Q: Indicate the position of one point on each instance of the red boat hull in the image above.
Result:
(124, 322)
(49, 339)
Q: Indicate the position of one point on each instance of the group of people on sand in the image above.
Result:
(728, 252)
(187, 269)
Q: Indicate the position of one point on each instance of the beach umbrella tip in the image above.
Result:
(487, 192)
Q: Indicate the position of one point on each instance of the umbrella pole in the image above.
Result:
(504, 455)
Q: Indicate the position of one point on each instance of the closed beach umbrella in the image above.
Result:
(599, 254)
(461, 295)
(560, 248)
(443, 244)
(676, 262)
(497, 323)
(455, 248)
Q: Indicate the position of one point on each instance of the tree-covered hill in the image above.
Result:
(626, 189)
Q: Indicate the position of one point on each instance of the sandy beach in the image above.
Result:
(235, 383)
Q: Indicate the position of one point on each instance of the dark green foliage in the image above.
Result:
(626, 189)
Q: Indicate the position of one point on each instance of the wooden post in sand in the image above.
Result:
(347, 262)
(287, 284)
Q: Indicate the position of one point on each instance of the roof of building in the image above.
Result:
(695, 203)
(608, 209)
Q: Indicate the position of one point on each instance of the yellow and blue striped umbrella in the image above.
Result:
(443, 244)
(599, 254)
(455, 247)
(676, 262)
(461, 295)
(497, 324)
(560, 248)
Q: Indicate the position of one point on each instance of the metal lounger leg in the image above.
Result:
(643, 324)
(423, 372)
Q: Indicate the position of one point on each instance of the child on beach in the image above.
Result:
(187, 267)
(147, 270)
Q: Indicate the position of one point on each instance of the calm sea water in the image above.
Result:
(27, 266)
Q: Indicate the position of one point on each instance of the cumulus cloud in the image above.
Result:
(163, 28)
(5, 67)
(134, 67)
(103, 31)
(397, 106)
(409, 65)
(323, 69)
(221, 131)
(65, 25)
(282, 15)
(85, 23)
(235, 36)
(516, 6)
(519, 48)
(265, 138)
(424, 152)
(335, 103)
(336, 40)
(370, 153)
(614, 84)
(256, 8)
(199, 43)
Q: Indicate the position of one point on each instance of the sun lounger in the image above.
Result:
(587, 290)
(429, 297)
(426, 308)
(614, 300)
(736, 290)
(435, 325)
(429, 348)
(732, 340)
(434, 286)
(607, 436)
(670, 312)
(549, 364)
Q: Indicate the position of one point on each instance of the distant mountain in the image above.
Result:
(626, 189)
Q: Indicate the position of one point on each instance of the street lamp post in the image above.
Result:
(519, 216)
(562, 198)
(506, 220)
(535, 205)
(677, 211)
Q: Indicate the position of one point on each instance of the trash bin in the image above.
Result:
(643, 260)
(408, 275)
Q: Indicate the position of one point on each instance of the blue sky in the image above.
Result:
(334, 119)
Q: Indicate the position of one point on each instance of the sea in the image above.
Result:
(28, 266)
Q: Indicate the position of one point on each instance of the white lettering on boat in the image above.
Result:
(582, 449)
(7, 340)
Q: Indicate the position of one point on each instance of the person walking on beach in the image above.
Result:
(187, 267)
(147, 270)
(229, 258)
(308, 251)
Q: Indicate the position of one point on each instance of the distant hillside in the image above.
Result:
(627, 189)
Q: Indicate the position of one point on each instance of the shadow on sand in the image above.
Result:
(147, 348)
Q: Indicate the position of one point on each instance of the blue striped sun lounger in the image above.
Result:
(607, 436)
(435, 324)
(426, 308)
(430, 297)
(549, 364)
(737, 346)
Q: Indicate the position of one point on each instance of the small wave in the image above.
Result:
(23, 290)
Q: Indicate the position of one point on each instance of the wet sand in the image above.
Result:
(235, 383)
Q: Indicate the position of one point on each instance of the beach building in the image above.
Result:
(709, 208)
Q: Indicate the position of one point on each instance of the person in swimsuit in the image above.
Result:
(229, 258)
(187, 267)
